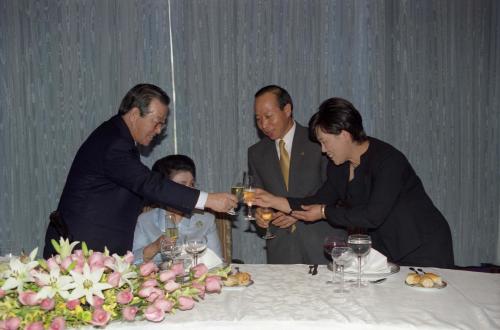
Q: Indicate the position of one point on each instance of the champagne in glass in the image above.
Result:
(267, 215)
(249, 195)
(360, 245)
(236, 190)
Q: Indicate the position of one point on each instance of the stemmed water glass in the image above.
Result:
(248, 194)
(342, 255)
(360, 245)
(195, 246)
(328, 244)
(266, 214)
(168, 246)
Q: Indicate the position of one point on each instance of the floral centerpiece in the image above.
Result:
(84, 287)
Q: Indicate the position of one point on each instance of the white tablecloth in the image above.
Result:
(286, 297)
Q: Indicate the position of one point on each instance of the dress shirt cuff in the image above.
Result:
(202, 199)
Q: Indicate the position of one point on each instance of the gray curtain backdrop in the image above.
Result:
(424, 74)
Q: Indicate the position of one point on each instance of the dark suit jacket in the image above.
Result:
(387, 198)
(307, 174)
(105, 189)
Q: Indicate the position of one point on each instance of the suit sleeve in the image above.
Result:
(387, 182)
(122, 165)
(326, 194)
(252, 170)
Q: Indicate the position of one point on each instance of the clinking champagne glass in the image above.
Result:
(195, 246)
(248, 195)
(236, 190)
(266, 214)
(360, 245)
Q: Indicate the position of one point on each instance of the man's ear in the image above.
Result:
(134, 114)
(288, 109)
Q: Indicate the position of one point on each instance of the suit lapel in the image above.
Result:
(274, 167)
(299, 155)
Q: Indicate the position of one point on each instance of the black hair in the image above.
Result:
(282, 95)
(336, 114)
(140, 96)
(169, 165)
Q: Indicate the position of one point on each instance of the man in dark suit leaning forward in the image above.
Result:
(287, 163)
(107, 182)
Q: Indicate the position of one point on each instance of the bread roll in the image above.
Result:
(435, 278)
(413, 279)
(243, 278)
(426, 281)
(231, 280)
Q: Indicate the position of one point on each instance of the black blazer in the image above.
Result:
(105, 190)
(387, 198)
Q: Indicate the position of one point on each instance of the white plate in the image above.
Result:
(436, 286)
(393, 270)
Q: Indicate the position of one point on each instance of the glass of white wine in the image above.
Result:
(249, 195)
(168, 247)
(266, 214)
(236, 190)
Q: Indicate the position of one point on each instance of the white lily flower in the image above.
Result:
(88, 284)
(64, 248)
(19, 272)
(53, 283)
(125, 270)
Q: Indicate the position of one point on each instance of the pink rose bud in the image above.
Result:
(199, 270)
(109, 261)
(114, 279)
(47, 304)
(96, 260)
(171, 286)
(185, 303)
(167, 275)
(71, 304)
(28, 298)
(58, 324)
(66, 262)
(154, 314)
(163, 304)
(100, 317)
(124, 297)
(97, 302)
(145, 292)
(2, 293)
(129, 313)
(34, 326)
(52, 263)
(178, 268)
(129, 257)
(151, 282)
(11, 323)
(148, 268)
(155, 295)
(201, 289)
(213, 284)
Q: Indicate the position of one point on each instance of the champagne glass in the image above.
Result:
(342, 255)
(195, 246)
(168, 246)
(171, 229)
(360, 245)
(329, 243)
(267, 215)
(237, 190)
(249, 195)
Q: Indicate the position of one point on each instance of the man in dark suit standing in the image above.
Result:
(107, 182)
(286, 163)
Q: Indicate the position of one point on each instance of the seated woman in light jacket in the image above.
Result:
(150, 225)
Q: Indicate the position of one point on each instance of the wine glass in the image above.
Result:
(195, 246)
(248, 195)
(342, 255)
(360, 245)
(267, 215)
(237, 190)
(329, 243)
(170, 250)
(171, 229)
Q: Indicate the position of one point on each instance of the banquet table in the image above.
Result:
(287, 297)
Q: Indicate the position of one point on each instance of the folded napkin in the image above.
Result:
(210, 259)
(373, 263)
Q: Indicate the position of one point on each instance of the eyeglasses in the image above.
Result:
(158, 123)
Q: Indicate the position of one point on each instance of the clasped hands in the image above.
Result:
(283, 217)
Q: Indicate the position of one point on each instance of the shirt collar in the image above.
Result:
(288, 138)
